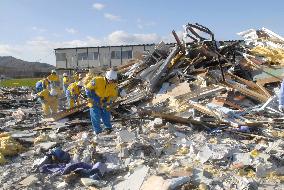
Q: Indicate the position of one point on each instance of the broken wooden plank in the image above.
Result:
(251, 84)
(268, 80)
(173, 118)
(202, 92)
(66, 113)
(250, 93)
(203, 109)
(229, 103)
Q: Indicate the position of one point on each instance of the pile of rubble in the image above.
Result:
(201, 115)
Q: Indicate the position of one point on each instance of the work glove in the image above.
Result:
(90, 103)
(281, 108)
(122, 93)
(108, 108)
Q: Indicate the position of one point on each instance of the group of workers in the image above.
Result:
(100, 92)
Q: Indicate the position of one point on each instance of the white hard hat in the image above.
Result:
(53, 71)
(80, 83)
(111, 75)
(53, 92)
(65, 74)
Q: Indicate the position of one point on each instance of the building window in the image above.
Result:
(115, 54)
(126, 54)
(93, 55)
(82, 56)
(60, 56)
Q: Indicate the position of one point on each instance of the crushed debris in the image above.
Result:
(201, 115)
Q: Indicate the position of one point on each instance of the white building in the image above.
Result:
(98, 57)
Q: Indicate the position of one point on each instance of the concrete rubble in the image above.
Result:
(200, 115)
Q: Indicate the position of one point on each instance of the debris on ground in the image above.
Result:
(200, 115)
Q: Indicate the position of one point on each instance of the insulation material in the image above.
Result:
(8, 146)
(272, 55)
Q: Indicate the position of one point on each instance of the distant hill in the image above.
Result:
(17, 68)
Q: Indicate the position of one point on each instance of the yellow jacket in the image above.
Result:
(66, 81)
(44, 95)
(53, 78)
(74, 89)
(100, 89)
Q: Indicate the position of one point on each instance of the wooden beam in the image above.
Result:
(173, 118)
(66, 113)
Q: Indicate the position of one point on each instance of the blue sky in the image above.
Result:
(31, 29)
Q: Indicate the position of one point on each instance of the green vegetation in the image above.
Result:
(19, 82)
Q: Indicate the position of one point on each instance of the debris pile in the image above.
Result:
(200, 115)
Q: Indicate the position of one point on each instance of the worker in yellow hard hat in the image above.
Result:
(48, 101)
(73, 92)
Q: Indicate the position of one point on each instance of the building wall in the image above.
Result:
(74, 58)
(125, 49)
(117, 60)
(138, 52)
(104, 57)
(94, 62)
(82, 63)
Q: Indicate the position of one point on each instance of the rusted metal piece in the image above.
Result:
(193, 27)
(182, 49)
(221, 68)
(195, 33)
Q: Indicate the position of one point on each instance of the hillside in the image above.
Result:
(13, 67)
